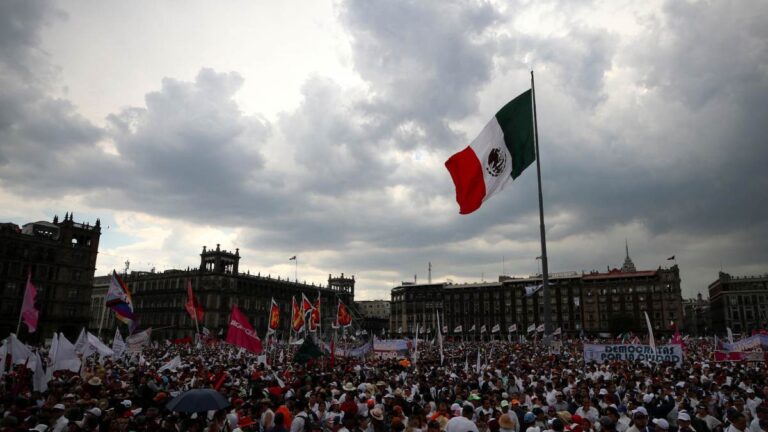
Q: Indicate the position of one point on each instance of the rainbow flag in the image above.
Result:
(118, 298)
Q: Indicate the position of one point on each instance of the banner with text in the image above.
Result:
(633, 353)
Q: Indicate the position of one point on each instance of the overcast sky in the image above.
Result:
(320, 129)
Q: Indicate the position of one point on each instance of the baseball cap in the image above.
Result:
(661, 423)
(59, 407)
(683, 416)
(640, 410)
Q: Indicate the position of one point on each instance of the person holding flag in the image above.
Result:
(193, 307)
(118, 298)
(29, 313)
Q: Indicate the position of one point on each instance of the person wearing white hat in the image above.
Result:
(662, 425)
(684, 422)
(58, 421)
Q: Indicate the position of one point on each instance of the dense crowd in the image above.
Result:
(514, 387)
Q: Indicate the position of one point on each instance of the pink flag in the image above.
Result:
(241, 333)
(28, 312)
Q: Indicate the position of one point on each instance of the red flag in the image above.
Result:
(29, 313)
(297, 316)
(274, 317)
(241, 332)
(314, 316)
(306, 305)
(194, 309)
(343, 318)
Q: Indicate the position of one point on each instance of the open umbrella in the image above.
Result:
(197, 400)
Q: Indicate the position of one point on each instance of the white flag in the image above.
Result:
(651, 340)
(439, 338)
(39, 380)
(118, 344)
(557, 332)
(531, 328)
(540, 328)
(66, 357)
(482, 329)
(458, 329)
(730, 335)
(496, 328)
(171, 365)
(473, 328)
(513, 328)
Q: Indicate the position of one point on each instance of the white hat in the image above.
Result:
(648, 398)
(683, 416)
(603, 392)
(640, 410)
(533, 429)
(661, 423)
(96, 412)
(59, 407)
(127, 403)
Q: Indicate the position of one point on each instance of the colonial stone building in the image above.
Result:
(612, 302)
(739, 303)
(61, 257)
(697, 319)
(159, 298)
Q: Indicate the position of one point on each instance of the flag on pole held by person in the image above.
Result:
(440, 336)
(651, 340)
(306, 305)
(193, 307)
(512, 328)
(458, 329)
(314, 316)
(240, 332)
(118, 298)
(274, 317)
(540, 328)
(504, 148)
(472, 328)
(297, 316)
(496, 328)
(29, 312)
(482, 329)
(557, 332)
(343, 318)
(531, 328)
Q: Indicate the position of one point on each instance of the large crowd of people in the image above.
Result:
(514, 387)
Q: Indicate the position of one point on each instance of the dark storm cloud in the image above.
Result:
(425, 62)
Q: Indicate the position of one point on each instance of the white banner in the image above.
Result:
(638, 353)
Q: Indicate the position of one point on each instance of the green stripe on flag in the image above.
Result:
(516, 121)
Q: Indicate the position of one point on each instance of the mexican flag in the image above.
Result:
(504, 148)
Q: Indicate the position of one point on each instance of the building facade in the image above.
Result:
(61, 257)
(374, 308)
(739, 303)
(218, 284)
(612, 302)
(697, 319)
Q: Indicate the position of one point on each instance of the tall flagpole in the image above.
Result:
(544, 266)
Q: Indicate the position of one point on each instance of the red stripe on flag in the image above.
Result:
(467, 175)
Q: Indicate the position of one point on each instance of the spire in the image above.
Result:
(629, 266)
